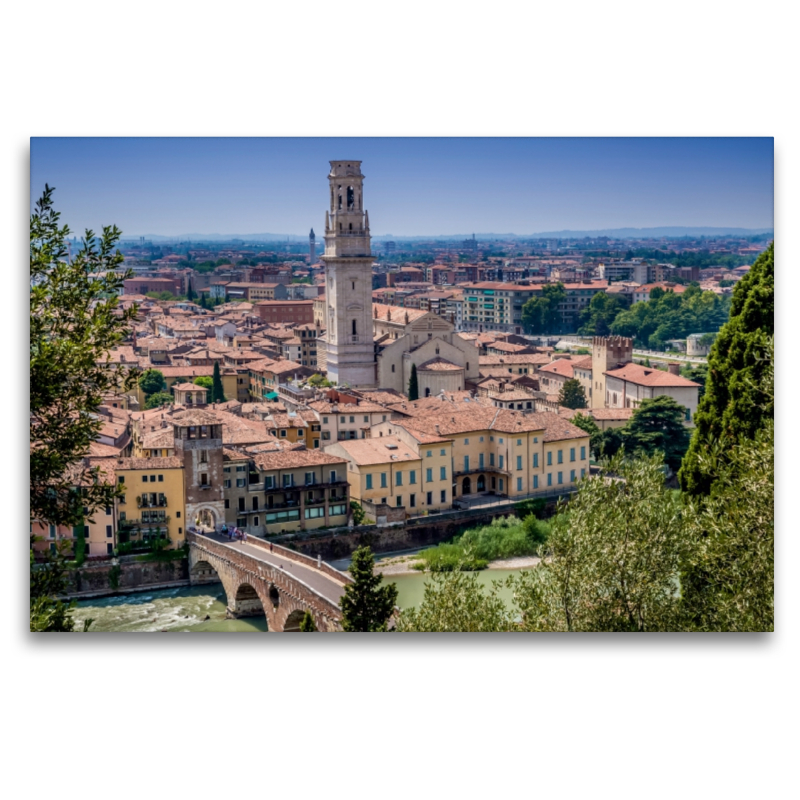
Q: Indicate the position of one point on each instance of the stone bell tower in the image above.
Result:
(348, 280)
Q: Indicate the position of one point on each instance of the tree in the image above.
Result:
(413, 384)
(152, 381)
(307, 623)
(359, 517)
(366, 605)
(158, 399)
(734, 406)
(49, 581)
(572, 394)
(658, 425)
(541, 314)
(697, 373)
(217, 392)
(456, 601)
(586, 423)
(205, 381)
(597, 317)
(614, 556)
(203, 300)
(319, 380)
(191, 294)
(75, 321)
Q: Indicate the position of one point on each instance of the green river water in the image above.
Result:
(186, 609)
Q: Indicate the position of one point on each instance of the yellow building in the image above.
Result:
(406, 470)
(499, 451)
(154, 501)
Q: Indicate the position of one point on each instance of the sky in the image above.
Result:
(413, 186)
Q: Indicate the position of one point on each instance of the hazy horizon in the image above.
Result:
(414, 187)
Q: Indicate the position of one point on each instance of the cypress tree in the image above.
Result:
(366, 605)
(307, 623)
(217, 392)
(413, 384)
(734, 407)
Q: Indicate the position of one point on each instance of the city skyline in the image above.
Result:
(425, 187)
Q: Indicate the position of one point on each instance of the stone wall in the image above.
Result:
(97, 578)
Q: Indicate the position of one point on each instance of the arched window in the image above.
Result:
(350, 197)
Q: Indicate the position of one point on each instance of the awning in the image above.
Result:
(271, 396)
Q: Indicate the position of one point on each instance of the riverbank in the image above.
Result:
(402, 565)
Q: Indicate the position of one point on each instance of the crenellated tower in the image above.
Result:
(348, 280)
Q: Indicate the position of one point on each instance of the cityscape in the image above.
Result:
(350, 432)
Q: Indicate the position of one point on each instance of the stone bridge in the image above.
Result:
(263, 578)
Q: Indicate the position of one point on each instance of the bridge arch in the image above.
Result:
(293, 620)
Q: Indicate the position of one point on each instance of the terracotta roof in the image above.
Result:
(189, 387)
(561, 367)
(289, 459)
(195, 416)
(644, 376)
(380, 450)
(513, 360)
(171, 462)
(439, 364)
(396, 313)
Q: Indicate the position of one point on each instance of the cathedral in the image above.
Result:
(369, 345)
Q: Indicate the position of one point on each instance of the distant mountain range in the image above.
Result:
(612, 233)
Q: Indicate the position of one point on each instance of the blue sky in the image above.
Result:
(424, 186)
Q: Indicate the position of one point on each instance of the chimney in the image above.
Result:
(674, 368)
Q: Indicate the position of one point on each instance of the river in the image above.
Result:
(202, 608)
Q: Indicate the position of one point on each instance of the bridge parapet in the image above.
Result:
(281, 594)
(302, 558)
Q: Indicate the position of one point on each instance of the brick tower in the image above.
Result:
(312, 248)
(608, 352)
(348, 280)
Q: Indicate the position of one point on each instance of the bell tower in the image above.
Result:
(348, 280)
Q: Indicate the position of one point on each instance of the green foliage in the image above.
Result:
(413, 384)
(75, 320)
(366, 604)
(596, 318)
(540, 315)
(700, 258)
(667, 315)
(48, 581)
(572, 394)
(152, 381)
(614, 557)
(319, 380)
(205, 381)
(504, 537)
(455, 601)
(307, 623)
(734, 407)
(113, 576)
(191, 294)
(217, 392)
(697, 373)
(531, 506)
(359, 517)
(658, 426)
(587, 423)
(158, 399)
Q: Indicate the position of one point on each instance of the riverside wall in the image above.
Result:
(101, 578)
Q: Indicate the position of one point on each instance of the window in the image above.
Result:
(325, 420)
(519, 484)
(283, 433)
(429, 475)
(144, 478)
(288, 480)
(227, 503)
(241, 483)
(241, 522)
(441, 452)
(392, 367)
(269, 482)
(398, 478)
(241, 504)
(501, 484)
(583, 452)
(572, 475)
(399, 501)
(442, 473)
(204, 479)
(535, 481)
(412, 501)
(572, 454)
(122, 479)
(535, 460)
(561, 477)
(369, 481)
(226, 483)
(519, 462)
(466, 441)
(177, 515)
(500, 440)
(560, 456)
(109, 532)
(491, 459)
(226, 469)
(466, 463)
(519, 442)
(352, 419)
(241, 468)
(412, 476)
(383, 480)
(310, 478)
(255, 521)
(443, 496)
(429, 453)
(481, 439)
(583, 473)
(502, 461)
(549, 478)
(550, 458)
(315, 513)
(366, 418)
